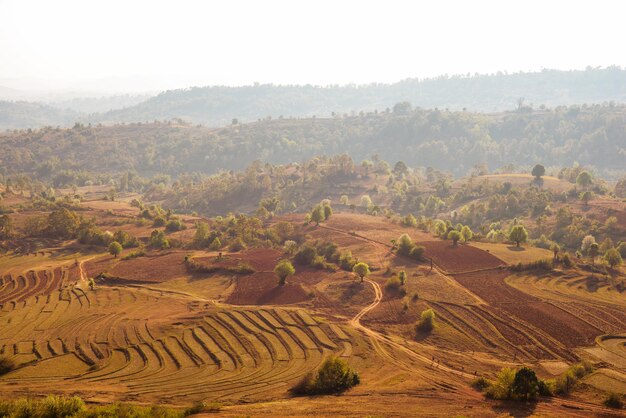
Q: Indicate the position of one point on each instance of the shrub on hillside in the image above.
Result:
(426, 323)
(236, 245)
(614, 400)
(335, 376)
(306, 255)
(6, 365)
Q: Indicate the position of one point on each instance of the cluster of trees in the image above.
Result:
(523, 384)
(406, 247)
(333, 377)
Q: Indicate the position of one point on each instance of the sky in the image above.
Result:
(138, 45)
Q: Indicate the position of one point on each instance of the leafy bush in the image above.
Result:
(236, 245)
(306, 255)
(417, 253)
(204, 407)
(426, 323)
(480, 384)
(614, 400)
(134, 254)
(393, 284)
(335, 376)
(346, 261)
(175, 225)
(568, 379)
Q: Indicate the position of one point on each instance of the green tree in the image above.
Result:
(518, 234)
(215, 245)
(366, 201)
(405, 244)
(202, 234)
(455, 236)
(284, 269)
(538, 171)
(593, 251)
(467, 233)
(317, 215)
(525, 384)
(344, 200)
(362, 270)
(586, 196)
(584, 179)
(426, 323)
(555, 249)
(115, 248)
(328, 211)
(63, 223)
(613, 257)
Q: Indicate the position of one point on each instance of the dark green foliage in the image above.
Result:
(236, 245)
(525, 384)
(614, 400)
(158, 240)
(538, 171)
(306, 255)
(174, 225)
(480, 384)
(284, 269)
(334, 376)
(417, 253)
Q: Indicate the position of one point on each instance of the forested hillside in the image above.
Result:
(217, 106)
(451, 141)
(21, 115)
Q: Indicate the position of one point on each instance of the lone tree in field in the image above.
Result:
(284, 269)
(115, 248)
(455, 236)
(538, 171)
(518, 234)
(362, 270)
(613, 257)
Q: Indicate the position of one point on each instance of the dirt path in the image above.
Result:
(387, 249)
(378, 338)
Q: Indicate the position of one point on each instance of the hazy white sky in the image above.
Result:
(147, 44)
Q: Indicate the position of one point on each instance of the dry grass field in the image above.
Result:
(152, 332)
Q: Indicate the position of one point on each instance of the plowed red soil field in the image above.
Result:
(263, 289)
(461, 258)
(565, 327)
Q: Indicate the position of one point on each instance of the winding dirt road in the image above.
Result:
(379, 339)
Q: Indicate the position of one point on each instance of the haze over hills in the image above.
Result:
(219, 105)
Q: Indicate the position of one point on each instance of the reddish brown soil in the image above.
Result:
(563, 326)
(461, 258)
(260, 259)
(263, 289)
(151, 268)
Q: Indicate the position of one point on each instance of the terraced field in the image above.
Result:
(114, 340)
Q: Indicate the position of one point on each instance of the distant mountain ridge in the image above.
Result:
(219, 105)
